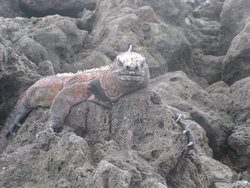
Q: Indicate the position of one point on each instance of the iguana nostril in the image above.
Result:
(132, 68)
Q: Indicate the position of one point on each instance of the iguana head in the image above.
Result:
(130, 69)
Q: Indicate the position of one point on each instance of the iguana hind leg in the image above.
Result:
(19, 113)
(35, 96)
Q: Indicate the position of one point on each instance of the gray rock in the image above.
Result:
(45, 157)
(234, 101)
(43, 8)
(10, 8)
(235, 64)
(206, 172)
(232, 18)
(170, 11)
(108, 175)
(136, 144)
(13, 29)
(152, 183)
(186, 171)
(62, 40)
(241, 184)
(209, 10)
(17, 74)
(32, 49)
(239, 142)
(128, 128)
(134, 141)
(246, 175)
(45, 68)
(85, 20)
(207, 66)
(53, 38)
(177, 90)
(241, 103)
(221, 175)
(164, 45)
(220, 92)
(204, 34)
(85, 61)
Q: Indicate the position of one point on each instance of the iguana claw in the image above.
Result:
(178, 118)
(51, 130)
(19, 125)
(190, 144)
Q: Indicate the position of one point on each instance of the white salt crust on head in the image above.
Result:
(131, 58)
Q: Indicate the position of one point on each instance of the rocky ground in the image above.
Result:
(198, 53)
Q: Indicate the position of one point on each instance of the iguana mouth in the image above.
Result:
(131, 77)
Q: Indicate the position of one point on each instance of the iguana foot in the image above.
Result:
(10, 131)
(38, 135)
(54, 126)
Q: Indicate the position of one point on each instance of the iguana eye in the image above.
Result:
(119, 63)
(142, 65)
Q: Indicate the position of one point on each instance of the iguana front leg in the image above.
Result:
(65, 99)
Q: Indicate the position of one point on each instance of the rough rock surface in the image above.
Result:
(136, 143)
(17, 74)
(68, 8)
(236, 63)
(204, 34)
(235, 101)
(239, 140)
(233, 17)
(10, 8)
(208, 66)
(126, 144)
(53, 38)
(165, 46)
(239, 92)
(209, 11)
(205, 173)
(177, 90)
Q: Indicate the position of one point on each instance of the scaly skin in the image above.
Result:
(128, 72)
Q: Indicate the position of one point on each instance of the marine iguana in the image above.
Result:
(128, 72)
(105, 85)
